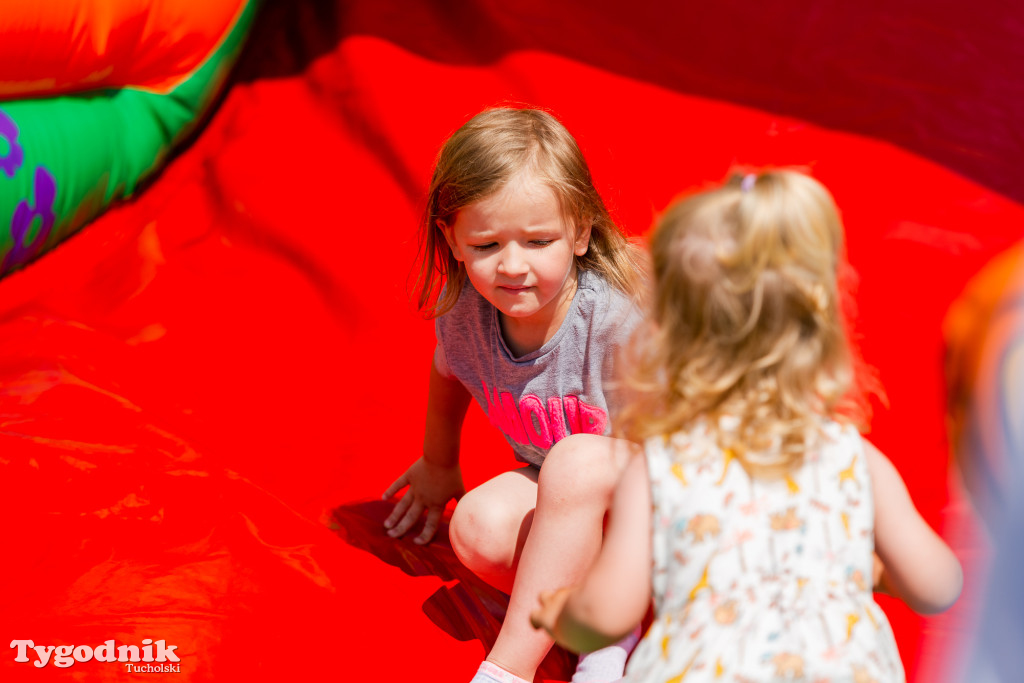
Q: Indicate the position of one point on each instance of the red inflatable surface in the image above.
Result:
(202, 394)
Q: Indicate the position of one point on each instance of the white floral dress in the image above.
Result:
(763, 580)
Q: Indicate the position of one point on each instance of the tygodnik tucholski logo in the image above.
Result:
(64, 656)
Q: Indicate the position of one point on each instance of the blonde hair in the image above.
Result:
(746, 321)
(478, 160)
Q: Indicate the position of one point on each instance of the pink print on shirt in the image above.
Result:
(533, 422)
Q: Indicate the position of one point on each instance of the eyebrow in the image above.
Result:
(530, 232)
(533, 230)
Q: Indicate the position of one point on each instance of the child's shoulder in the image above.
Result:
(699, 442)
(594, 282)
(691, 445)
(605, 303)
(840, 434)
(471, 313)
(838, 448)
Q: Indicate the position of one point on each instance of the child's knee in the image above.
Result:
(479, 532)
(586, 464)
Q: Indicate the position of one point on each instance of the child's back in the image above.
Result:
(762, 578)
(766, 510)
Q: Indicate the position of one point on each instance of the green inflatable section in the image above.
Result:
(64, 160)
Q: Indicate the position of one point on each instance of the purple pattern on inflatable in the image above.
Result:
(21, 221)
(9, 131)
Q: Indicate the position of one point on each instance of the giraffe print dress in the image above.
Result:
(763, 579)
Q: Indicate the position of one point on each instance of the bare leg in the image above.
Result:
(490, 525)
(573, 493)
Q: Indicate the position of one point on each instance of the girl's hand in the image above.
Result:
(431, 486)
(878, 584)
(551, 604)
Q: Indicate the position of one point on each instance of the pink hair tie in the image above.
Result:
(747, 184)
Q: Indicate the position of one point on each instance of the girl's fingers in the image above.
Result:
(430, 528)
(400, 508)
(395, 487)
(415, 510)
(538, 618)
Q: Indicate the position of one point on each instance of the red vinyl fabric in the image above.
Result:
(203, 393)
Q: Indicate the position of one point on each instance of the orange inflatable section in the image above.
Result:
(57, 46)
(983, 330)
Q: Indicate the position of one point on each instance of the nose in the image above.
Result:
(513, 261)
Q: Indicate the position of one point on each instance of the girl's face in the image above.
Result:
(519, 254)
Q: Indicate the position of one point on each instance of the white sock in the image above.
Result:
(607, 664)
(492, 673)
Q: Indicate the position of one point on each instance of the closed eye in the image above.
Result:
(483, 247)
(541, 243)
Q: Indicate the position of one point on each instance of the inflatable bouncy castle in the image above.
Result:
(95, 96)
(210, 368)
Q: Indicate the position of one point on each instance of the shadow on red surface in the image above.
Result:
(464, 607)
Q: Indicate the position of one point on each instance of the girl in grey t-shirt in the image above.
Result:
(533, 287)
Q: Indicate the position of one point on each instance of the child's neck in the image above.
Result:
(526, 335)
(522, 339)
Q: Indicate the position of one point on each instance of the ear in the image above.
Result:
(449, 235)
(582, 243)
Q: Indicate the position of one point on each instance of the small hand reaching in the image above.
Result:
(431, 486)
(551, 604)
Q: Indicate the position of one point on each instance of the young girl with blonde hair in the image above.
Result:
(533, 287)
(751, 511)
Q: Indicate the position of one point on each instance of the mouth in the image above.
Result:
(513, 288)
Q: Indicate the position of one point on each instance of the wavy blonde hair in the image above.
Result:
(746, 321)
(478, 160)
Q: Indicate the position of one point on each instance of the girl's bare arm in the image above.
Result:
(920, 568)
(435, 478)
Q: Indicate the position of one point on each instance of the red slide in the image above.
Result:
(204, 392)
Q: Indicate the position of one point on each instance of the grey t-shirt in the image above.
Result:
(559, 389)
